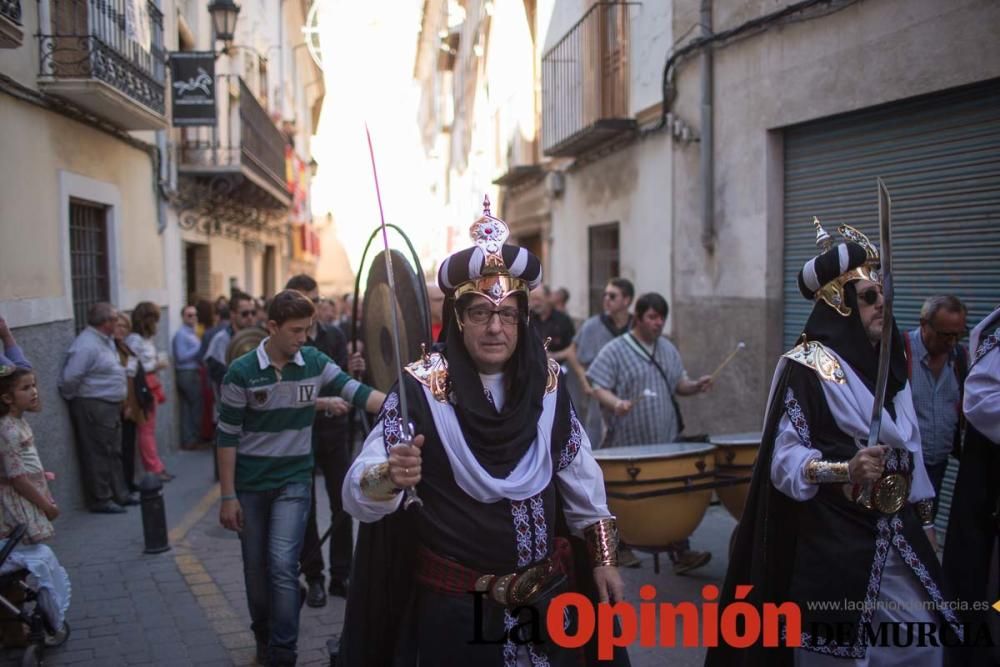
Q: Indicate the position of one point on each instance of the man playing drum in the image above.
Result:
(635, 377)
(827, 518)
(502, 467)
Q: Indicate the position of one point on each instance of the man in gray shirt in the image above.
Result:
(635, 377)
(594, 334)
(93, 381)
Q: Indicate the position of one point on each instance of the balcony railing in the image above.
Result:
(585, 82)
(243, 142)
(11, 34)
(110, 47)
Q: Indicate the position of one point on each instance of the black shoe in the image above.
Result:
(316, 597)
(131, 499)
(108, 507)
(261, 656)
(338, 588)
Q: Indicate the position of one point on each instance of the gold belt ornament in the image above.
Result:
(888, 493)
(514, 590)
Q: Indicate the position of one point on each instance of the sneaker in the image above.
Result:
(131, 499)
(691, 560)
(316, 596)
(166, 476)
(626, 558)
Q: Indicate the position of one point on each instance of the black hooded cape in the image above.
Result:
(379, 625)
(764, 552)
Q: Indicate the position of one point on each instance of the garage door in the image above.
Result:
(940, 157)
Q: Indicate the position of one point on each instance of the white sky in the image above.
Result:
(368, 55)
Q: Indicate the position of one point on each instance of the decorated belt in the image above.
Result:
(888, 493)
(510, 590)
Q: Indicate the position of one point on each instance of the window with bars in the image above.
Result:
(88, 254)
(605, 262)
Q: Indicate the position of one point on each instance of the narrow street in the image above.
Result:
(187, 606)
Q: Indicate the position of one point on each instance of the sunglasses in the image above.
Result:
(870, 295)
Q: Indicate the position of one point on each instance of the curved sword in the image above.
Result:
(885, 342)
(404, 412)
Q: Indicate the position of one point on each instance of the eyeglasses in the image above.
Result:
(952, 335)
(610, 296)
(484, 315)
(870, 295)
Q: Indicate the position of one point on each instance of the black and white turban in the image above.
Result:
(829, 266)
(470, 265)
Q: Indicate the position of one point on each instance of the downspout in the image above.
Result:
(707, 135)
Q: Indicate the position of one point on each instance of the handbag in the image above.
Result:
(143, 394)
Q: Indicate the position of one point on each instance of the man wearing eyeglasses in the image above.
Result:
(500, 463)
(242, 314)
(937, 365)
(594, 334)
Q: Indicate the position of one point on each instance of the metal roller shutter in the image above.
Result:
(940, 157)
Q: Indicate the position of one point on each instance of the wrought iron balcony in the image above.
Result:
(11, 34)
(585, 83)
(243, 154)
(107, 57)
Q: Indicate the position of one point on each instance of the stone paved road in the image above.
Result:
(188, 606)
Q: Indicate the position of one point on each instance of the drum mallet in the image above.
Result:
(732, 355)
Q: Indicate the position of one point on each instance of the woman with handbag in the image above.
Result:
(144, 321)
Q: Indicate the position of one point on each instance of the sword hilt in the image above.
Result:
(410, 496)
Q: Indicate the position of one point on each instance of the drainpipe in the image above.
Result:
(707, 136)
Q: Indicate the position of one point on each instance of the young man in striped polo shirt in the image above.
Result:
(269, 400)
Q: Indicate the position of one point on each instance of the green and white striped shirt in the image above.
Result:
(269, 417)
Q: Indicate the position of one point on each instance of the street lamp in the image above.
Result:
(224, 14)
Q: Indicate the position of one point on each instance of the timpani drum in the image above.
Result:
(735, 455)
(659, 493)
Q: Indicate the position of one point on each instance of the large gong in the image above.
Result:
(412, 312)
(244, 341)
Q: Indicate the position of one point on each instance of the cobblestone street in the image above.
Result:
(187, 606)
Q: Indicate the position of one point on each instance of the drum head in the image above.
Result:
(747, 438)
(412, 313)
(666, 450)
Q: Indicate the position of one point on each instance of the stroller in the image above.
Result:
(22, 623)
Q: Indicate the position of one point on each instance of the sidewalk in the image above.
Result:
(129, 608)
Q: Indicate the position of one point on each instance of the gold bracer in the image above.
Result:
(375, 483)
(602, 542)
(925, 510)
(827, 472)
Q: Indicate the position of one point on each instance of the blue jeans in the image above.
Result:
(274, 525)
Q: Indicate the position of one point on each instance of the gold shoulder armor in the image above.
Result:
(432, 372)
(813, 355)
(553, 381)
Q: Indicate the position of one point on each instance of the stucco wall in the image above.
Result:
(52, 153)
(631, 187)
(870, 53)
